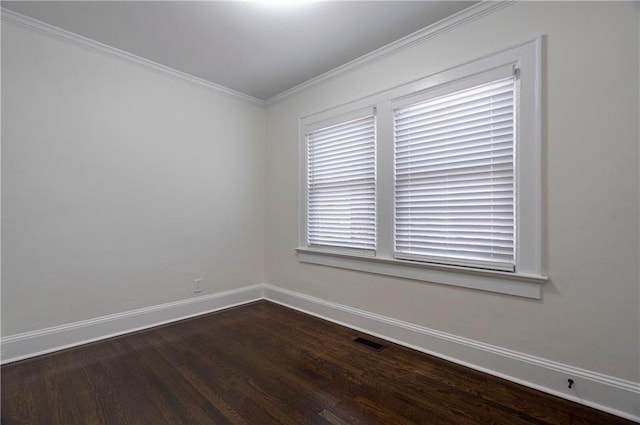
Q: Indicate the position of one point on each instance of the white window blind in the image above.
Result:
(454, 178)
(341, 185)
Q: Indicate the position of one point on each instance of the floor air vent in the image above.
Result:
(371, 344)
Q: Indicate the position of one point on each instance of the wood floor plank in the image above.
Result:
(262, 363)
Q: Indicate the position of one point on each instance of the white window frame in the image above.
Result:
(529, 274)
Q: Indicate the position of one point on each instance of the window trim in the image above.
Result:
(529, 275)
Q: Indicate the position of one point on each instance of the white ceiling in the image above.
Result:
(258, 48)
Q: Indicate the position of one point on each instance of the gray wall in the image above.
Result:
(120, 186)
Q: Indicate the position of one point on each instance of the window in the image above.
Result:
(454, 187)
(341, 184)
(436, 180)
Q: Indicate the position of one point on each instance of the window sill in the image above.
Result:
(519, 284)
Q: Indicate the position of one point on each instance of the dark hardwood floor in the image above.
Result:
(265, 364)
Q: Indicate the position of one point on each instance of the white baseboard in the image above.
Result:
(610, 394)
(607, 393)
(43, 341)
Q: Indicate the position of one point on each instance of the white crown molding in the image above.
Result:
(43, 341)
(22, 21)
(610, 394)
(447, 24)
(452, 22)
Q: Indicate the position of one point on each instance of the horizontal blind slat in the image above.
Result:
(478, 182)
(490, 126)
(335, 131)
(425, 155)
(337, 145)
(461, 166)
(456, 98)
(452, 139)
(471, 121)
(361, 149)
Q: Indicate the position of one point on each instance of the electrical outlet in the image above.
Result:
(197, 285)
